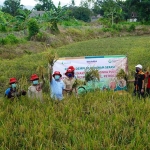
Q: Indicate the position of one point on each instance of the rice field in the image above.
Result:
(95, 121)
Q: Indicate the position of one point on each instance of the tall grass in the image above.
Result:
(99, 121)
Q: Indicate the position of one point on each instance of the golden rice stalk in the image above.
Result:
(41, 71)
(92, 74)
(77, 83)
(23, 83)
(148, 69)
(122, 75)
(52, 57)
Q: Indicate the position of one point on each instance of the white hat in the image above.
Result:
(139, 66)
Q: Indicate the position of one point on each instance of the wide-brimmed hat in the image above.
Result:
(57, 73)
(139, 66)
(12, 80)
(69, 71)
(71, 67)
(34, 77)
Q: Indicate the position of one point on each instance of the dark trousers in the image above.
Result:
(148, 91)
(138, 93)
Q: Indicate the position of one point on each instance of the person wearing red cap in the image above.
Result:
(72, 68)
(12, 91)
(35, 90)
(69, 80)
(57, 85)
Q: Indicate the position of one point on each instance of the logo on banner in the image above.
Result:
(66, 62)
(113, 60)
(91, 61)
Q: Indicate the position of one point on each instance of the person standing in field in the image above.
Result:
(69, 81)
(12, 91)
(35, 90)
(139, 81)
(147, 76)
(73, 69)
(56, 85)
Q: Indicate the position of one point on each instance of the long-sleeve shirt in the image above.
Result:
(36, 91)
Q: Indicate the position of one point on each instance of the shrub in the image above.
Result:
(41, 37)
(10, 39)
(72, 22)
(131, 28)
(33, 27)
(3, 28)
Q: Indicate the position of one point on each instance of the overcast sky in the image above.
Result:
(33, 2)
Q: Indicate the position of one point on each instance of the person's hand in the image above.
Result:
(24, 92)
(142, 90)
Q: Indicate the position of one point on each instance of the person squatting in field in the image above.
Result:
(70, 80)
(35, 90)
(56, 85)
(13, 91)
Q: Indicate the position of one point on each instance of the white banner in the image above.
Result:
(108, 67)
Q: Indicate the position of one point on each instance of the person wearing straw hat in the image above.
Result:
(56, 85)
(35, 90)
(12, 91)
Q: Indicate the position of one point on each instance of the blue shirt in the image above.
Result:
(57, 89)
(7, 91)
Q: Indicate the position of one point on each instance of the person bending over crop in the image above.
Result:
(35, 90)
(57, 85)
(13, 91)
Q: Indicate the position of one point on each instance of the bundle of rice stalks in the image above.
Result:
(22, 83)
(52, 57)
(92, 74)
(41, 71)
(122, 75)
(148, 69)
(78, 83)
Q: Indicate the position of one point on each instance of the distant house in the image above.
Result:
(36, 13)
(133, 17)
(94, 18)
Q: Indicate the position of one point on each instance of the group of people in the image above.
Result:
(61, 87)
(58, 86)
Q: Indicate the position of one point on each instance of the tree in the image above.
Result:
(112, 10)
(141, 7)
(143, 11)
(44, 5)
(11, 6)
(54, 16)
(81, 13)
(21, 20)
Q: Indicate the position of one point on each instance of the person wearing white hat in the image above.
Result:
(139, 81)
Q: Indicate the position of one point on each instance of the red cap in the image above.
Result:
(71, 67)
(34, 77)
(12, 80)
(57, 73)
(69, 71)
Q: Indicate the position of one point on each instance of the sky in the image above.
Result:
(33, 2)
